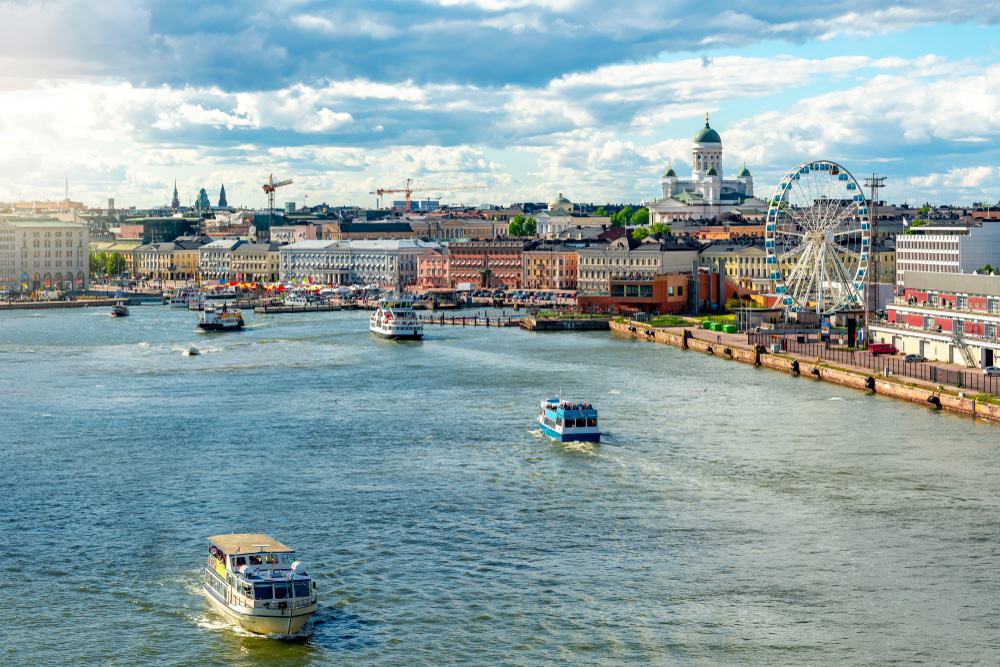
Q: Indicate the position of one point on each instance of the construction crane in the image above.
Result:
(269, 188)
(408, 191)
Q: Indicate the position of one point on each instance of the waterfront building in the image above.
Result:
(948, 248)
(43, 254)
(387, 263)
(432, 269)
(551, 265)
(707, 193)
(285, 234)
(156, 229)
(175, 260)
(225, 225)
(626, 257)
(216, 259)
(367, 231)
(458, 229)
(255, 262)
(487, 263)
(952, 317)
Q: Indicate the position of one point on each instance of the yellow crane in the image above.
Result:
(408, 190)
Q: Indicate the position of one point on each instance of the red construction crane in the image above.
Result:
(407, 190)
(269, 188)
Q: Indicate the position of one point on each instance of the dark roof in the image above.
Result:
(361, 227)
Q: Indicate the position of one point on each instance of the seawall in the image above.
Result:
(932, 397)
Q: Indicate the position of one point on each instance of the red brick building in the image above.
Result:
(488, 263)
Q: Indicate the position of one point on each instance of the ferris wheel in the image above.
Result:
(818, 239)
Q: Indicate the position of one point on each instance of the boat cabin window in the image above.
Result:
(286, 558)
(581, 422)
(271, 559)
(559, 421)
(240, 561)
(281, 591)
(262, 592)
(591, 421)
(301, 589)
(254, 560)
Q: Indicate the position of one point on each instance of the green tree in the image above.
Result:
(98, 262)
(925, 209)
(988, 269)
(914, 224)
(734, 302)
(522, 226)
(601, 211)
(639, 233)
(115, 264)
(640, 217)
(660, 230)
(622, 217)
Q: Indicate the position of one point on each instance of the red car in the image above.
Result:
(881, 348)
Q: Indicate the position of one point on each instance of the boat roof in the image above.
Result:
(253, 543)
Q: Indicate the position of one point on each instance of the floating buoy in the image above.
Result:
(192, 352)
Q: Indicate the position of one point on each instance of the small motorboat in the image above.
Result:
(192, 352)
(119, 309)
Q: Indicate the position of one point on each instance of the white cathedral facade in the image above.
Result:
(706, 194)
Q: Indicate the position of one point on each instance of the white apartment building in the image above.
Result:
(43, 254)
(948, 249)
(388, 263)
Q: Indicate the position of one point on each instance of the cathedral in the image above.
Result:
(706, 194)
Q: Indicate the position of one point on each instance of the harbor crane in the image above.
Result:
(408, 190)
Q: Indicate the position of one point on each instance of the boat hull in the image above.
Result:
(568, 437)
(276, 624)
(213, 326)
(398, 336)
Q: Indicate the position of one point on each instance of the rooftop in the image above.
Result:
(248, 543)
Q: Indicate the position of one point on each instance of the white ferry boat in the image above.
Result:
(183, 298)
(396, 319)
(220, 319)
(569, 422)
(119, 309)
(255, 581)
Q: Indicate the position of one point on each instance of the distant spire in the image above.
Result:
(175, 203)
(706, 119)
(222, 197)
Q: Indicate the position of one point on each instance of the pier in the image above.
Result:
(276, 308)
(473, 321)
(942, 397)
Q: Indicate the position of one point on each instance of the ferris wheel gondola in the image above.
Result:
(818, 239)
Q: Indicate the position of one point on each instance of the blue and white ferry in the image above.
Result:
(569, 422)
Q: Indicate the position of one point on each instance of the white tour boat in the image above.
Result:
(396, 319)
(220, 319)
(255, 581)
(183, 298)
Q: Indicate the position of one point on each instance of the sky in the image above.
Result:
(524, 99)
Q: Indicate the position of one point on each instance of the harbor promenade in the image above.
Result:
(735, 347)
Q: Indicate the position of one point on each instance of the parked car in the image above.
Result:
(992, 371)
(881, 348)
(918, 358)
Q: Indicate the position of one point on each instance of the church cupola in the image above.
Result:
(706, 153)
